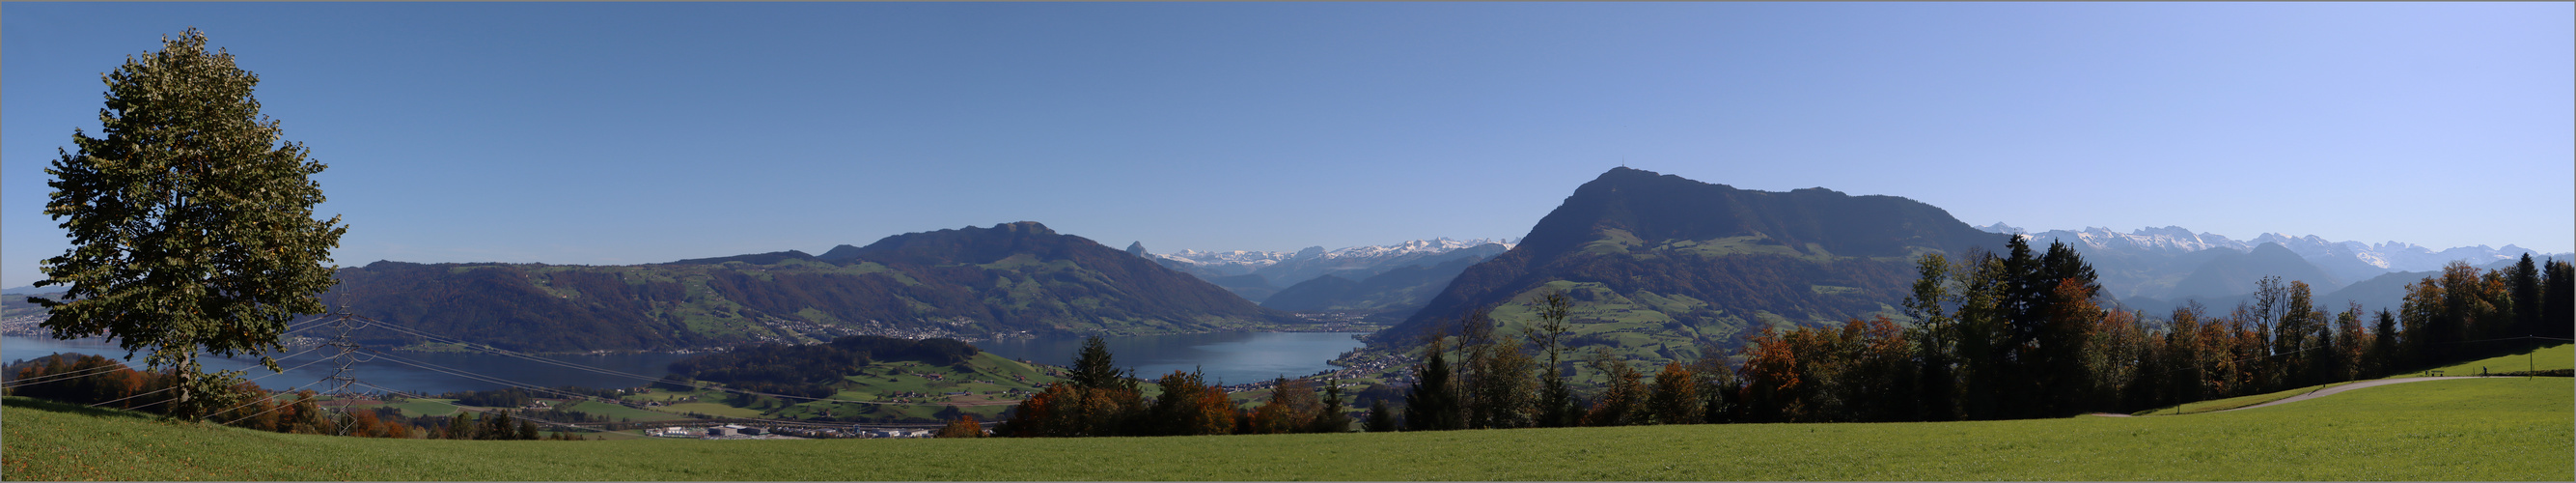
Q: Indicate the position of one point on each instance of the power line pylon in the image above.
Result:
(342, 361)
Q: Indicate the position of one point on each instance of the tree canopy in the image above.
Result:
(191, 219)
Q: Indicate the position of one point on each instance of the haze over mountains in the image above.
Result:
(2155, 269)
(1256, 275)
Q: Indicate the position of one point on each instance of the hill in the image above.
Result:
(2234, 274)
(969, 283)
(2386, 291)
(2483, 429)
(1658, 264)
(1393, 294)
(898, 381)
(2225, 277)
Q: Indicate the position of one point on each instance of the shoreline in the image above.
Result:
(300, 343)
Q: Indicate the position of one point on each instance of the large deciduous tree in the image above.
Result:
(191, 220)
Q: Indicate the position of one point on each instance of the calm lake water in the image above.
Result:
(391, 373)
(1232, 357)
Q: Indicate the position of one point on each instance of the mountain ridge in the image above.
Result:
(1661, 264)
(2147, 264)
(968, 283)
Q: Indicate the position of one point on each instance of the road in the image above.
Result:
(2322, 393)
(2347, 387)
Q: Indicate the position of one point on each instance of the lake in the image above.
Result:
(1234, 358)
(393, 373)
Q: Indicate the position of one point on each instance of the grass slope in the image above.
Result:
(2484, 429)
(2558, 356)
(924, 390)
(2561, 356)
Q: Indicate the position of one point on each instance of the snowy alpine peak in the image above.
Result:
(1432, 246)
(1236, 257)
(2170, 238)
(2390, 256)
(1259, 259)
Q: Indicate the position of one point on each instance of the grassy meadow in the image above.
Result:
(2481, 429)
(2560, 356)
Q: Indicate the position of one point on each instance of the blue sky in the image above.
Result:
(592, 133)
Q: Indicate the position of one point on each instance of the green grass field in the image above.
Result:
(2561, 356)
(2480, 429)
(426, 407)
(2233, 402)
(2545, 358)
(616, 412)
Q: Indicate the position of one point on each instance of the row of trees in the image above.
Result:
(1506, 382)
(1100, 400)
(1997, 336)
(103, 382)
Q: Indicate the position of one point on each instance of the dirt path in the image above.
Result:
(2347, 387)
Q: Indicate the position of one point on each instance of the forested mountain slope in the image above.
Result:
(965, 283)
(1658, 264)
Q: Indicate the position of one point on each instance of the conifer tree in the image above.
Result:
(1094, 368)
(1329, 419)
(1380, 419)
(2527, 302)
(1432, 405)
(2558, 306)
(2383, 346)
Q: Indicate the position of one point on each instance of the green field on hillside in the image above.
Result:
(2561, 356)
(2478, 429)
(426, 407)
(2544, 358)
(991, 384)
(620, 413)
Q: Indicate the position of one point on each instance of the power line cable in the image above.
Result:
(270, 410)
(256, 379)
(67, 375)
(479, 377)
(97, 404)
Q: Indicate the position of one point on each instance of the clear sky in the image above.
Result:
(589, 133)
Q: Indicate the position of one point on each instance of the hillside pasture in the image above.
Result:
(2474, 429)
(2559, 356)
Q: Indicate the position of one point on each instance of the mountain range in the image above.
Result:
(969, 283)
(1658, 266)
(2155, 269)
(1255, 275)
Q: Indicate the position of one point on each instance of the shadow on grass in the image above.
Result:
(22, 403)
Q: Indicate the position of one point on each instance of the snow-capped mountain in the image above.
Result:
(1252, 260)
(1277, 270)
(2159, 256)
(2170, 238)
(2389, 256)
